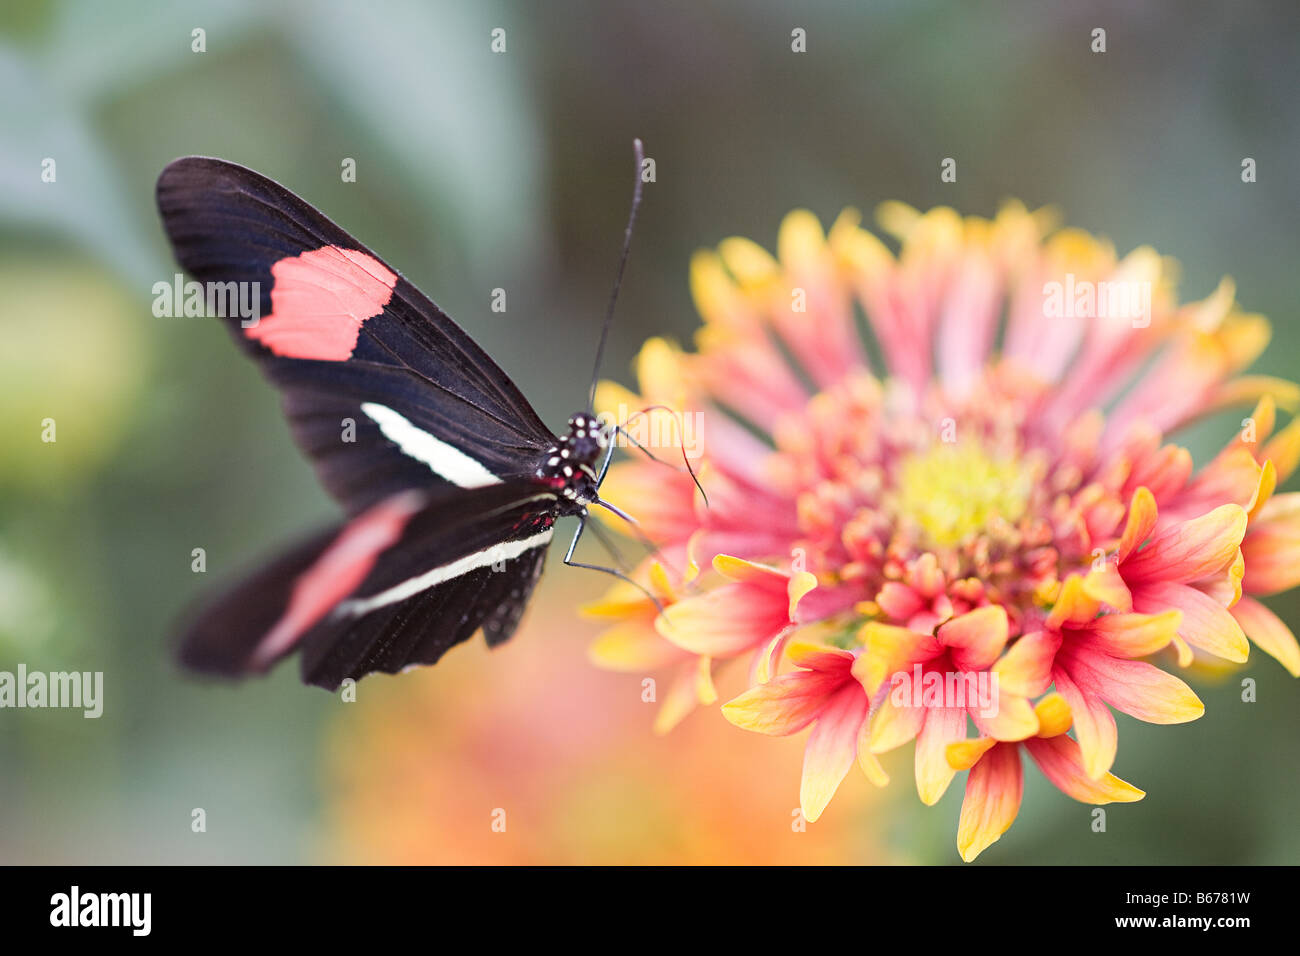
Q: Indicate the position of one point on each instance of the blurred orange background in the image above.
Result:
(417, 770)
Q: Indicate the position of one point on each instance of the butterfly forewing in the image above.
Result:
(383, 391)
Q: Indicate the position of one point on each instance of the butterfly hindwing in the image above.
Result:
(419, 629)
(464, 560)
(382, 389)
(500, 624)
(398, 585)
(221, 635)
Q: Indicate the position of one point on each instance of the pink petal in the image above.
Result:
(1094, 724)
(993, 793)
(832, 748)
(943, 726)
(1206, 624)
(976, 638)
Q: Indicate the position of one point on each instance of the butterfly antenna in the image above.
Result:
(682, 444)
(639, 152)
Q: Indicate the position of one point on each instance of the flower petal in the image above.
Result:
(894, 723)
(943, 726)
(1283, 449)
(993, 793)
(769, 658)
(1142, 518)
(1061, 761)
(1094, 724)
(819, 657)
(1206, 624)
(976, 638)
(1011, 717)
(1073, 605)
(1133, 635)
(890, 650)
(705, 692)
(784, 705)
(739, 569)
(832, 748)
(665, 503)
(965, 754)
(682, 698)
(1191, 550)
(801, 583)
(1053, 715)
(867, 761)
(1272, 547)
(1264, 492)
(1268, 632)
(726, 621)
(1107, 585)
(1137, 688)
(899, 601)
(631, 647)
(1026, 669)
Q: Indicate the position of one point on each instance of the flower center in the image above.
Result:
(952, 491)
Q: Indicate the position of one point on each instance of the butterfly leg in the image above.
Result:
(611, 547)
(609, 454)
(568, 559)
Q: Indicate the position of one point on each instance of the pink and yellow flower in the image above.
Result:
(977, 492)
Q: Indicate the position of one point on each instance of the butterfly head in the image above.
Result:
(570, 464)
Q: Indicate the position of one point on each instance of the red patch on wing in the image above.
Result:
(319, 300)
(337, 573)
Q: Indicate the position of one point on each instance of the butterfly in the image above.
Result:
(450, 481)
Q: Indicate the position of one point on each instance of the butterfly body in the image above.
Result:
(569, 465)
(450, 481)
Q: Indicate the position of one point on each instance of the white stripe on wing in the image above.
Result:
(496, 554)
(443, 460)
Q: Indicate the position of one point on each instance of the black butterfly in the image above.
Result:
(451, 482)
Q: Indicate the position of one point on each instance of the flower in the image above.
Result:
(964, 510)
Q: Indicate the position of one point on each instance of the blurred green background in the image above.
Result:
(477, 170)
